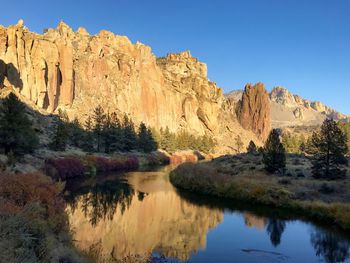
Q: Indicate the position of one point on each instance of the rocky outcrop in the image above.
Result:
(253, 110)
(76, 71)
(289, 110)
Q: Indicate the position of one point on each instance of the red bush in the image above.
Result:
(20, 190)
(104, 164)
(64, 168)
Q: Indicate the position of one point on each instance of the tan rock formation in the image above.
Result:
(290, 110)
(77, 72)
(253, 110)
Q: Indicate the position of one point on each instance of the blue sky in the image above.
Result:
(303, 45)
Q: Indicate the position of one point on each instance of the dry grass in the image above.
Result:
(243, 178)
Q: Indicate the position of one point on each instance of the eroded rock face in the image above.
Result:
(253, 110)
(77, 72)
(289, 110)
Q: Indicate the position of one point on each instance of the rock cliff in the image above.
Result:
(253, 110)
(76, 71)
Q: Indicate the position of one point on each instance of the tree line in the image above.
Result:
(101, 132)
(183, 140)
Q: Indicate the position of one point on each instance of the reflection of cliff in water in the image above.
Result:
(252, 220)
(153, 218)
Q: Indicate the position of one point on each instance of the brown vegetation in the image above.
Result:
(32, 218)
(243, 178)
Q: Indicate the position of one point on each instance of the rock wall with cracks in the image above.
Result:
(76, 71)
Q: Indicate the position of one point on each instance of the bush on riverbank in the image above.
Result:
(120, 163)
(64, 168)
(33, 223)
(303, 196)
(71, 167)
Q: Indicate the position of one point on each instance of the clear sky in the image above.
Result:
(303, 45)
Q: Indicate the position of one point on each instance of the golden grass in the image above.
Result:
(316, 199)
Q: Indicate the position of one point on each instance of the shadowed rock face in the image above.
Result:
(253, 110)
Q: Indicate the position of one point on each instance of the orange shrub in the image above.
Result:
(19, 190)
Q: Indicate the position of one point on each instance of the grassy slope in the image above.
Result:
(242, 178)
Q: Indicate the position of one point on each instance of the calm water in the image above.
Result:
(141, 213)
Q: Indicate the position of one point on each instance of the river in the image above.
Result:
(141, 213)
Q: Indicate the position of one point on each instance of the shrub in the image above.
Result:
(274, 156)
(64, 168)
(103, 164)
(33, 223)
(326, 189)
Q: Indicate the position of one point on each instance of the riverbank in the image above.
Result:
(242, 178)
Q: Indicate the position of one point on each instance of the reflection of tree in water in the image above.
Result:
(331, 247)
(275, 228)
(101, 200)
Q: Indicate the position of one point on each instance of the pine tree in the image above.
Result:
(16, 132)
(331, 145)
(146, 142)
(107, 133)
(129, 135)
(274, 155)
(88, 138)
(76, 133)
(345, 127)
(116, 134)
(239, 143)
(59, 141)
(252, 148)
(99, 119)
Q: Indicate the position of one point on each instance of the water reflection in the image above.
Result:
(142, 213)
(101, 200)
(252, 220)
(329, 246)
(153, 219)
(275, 229)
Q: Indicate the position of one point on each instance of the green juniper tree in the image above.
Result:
(331, 146)
(16, 131)
(60, 138)
(274, 154)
